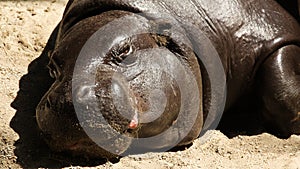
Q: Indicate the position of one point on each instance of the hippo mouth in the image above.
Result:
(63, 132)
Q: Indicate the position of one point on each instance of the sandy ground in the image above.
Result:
(25, 27)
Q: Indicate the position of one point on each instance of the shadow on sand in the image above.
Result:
(31, 150)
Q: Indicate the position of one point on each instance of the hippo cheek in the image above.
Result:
(167, 99)
(161, 112)
(158, 108)
(56, 119)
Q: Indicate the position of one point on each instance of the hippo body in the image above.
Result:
(256, 41)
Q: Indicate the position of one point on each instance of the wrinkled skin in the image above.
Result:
(257, 41)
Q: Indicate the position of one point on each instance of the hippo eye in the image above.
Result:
(122, 54)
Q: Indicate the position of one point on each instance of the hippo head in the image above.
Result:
(122, 81)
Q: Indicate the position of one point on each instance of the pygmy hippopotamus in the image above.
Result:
(146, 68)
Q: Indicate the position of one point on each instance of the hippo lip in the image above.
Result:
(78, 145)
(84, 144)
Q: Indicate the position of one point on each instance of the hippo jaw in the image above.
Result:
(126, 85)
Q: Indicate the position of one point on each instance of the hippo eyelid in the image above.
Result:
(123, 56)
(121, 53)
(126, 50)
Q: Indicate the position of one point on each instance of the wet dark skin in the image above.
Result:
(257, 41)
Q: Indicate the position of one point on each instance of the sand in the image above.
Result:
(25, 28)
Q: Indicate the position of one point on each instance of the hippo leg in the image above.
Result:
(279, 85)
